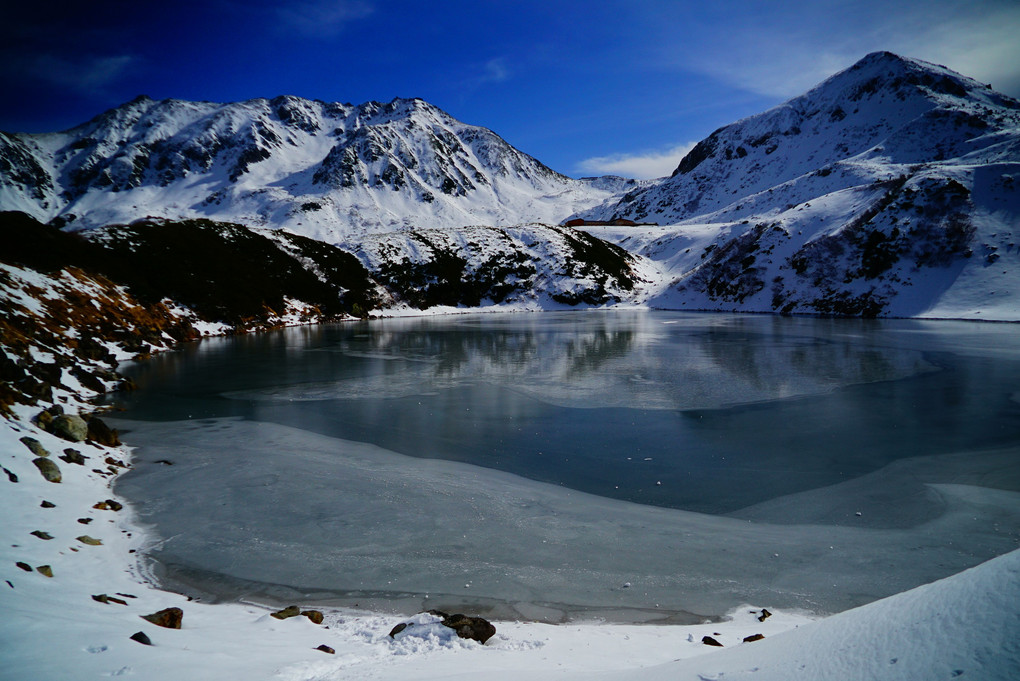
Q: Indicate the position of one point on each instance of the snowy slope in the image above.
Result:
(324, 170)
(888, 190)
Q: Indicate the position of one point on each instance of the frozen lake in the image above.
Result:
(623, 465)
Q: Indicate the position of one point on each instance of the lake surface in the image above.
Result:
(616, 465)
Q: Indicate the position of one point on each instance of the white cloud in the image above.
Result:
(985, 47)
(641, 166)
(83, 74)
(493, 71)
(496, 70)
(783, 52)
(322, 18)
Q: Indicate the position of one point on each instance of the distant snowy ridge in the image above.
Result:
(888, 190)
(324, 170)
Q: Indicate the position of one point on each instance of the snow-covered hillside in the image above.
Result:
(532, 266)
(324, 170)
(889, 189)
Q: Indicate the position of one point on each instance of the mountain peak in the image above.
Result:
(888, 71)
(882, 57)
(883, 109)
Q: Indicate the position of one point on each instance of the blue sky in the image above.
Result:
(586, 87)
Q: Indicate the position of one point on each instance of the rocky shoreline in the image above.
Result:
(64, 336)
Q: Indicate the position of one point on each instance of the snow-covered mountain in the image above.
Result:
(889, 189)
(853, 128)
(325, 170)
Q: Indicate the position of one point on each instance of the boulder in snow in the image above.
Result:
(169, 618)
(289, 611)
(35, 446)
(141, 638)
(102, 434)
(49, 470)
(73, 456)
(70, 427)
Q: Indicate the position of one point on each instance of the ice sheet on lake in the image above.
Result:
(330, 517)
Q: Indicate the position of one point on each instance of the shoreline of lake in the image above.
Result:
(859, 508)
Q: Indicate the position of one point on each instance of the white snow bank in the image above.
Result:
(52, 628)
(964, 626)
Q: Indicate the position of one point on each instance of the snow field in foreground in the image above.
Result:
(53, 629)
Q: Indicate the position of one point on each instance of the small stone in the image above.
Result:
(34, 446)
(765, 614)
(50, 374)
(45, 570)
(84, 521)
(709, 641)
(169, 618)
(88, 379)
(114, 505)
(101, 506)
(24, 566)
(290, 611)
(141, 638)
(47, 504)
(49, 470)
(10, 475)
(101, 433)
(44, 420)
(755, 637)
(70, 427)
(42, 535)
(110, 461)
(103, 598)
(91, 541)
(314, 615)
(326, 649)
(73, 456)
(474, 628)
(399, 628)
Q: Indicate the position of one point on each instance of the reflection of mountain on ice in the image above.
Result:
(370, 521)
(605, 361)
